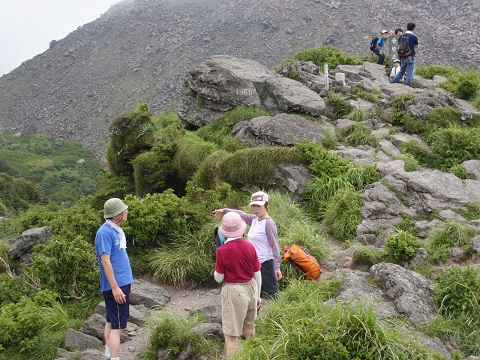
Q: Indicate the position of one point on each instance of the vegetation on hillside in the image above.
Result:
(172, 178)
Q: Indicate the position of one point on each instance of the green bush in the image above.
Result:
(242, 167)
(337, 107)
(368, 256)
(153, 170)
(300, 325)
(190, 151)
(453, 234)
(325, 54)
(155, 219)
(458, 292)
(19, 194)
(420, 153)
(453, 146)
(459, 171)
(372, 95)
(357, 134)
(472, 211)
(67, 266)
(29, 324)
(188, 259)
(330, 140)
(457, 295)
(342, 214)
(132, 134)
(429, 71)
(218, 131)
(401, 246)
(207, 175)
(174, 333)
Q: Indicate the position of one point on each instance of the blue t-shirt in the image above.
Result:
(107, 241)
(381, 42)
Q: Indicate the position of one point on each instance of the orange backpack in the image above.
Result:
(301, 259)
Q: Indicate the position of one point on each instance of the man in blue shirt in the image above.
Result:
(378, 50)
(115, 274)
(407, 64)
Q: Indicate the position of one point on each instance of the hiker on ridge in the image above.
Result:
(379, 47)
(407, 59)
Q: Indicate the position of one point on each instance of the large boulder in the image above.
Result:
(22, 247)
(280, 130)
(408, 290)
(222, 83)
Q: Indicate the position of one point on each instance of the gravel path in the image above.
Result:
(182, 301)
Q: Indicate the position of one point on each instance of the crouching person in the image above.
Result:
(237, 266)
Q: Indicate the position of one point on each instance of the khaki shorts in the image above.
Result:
(239, 307)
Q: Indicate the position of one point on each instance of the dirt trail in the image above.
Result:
(182, 301)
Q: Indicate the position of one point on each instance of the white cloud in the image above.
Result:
(28, 26)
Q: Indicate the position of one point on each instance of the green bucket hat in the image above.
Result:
(113, 207)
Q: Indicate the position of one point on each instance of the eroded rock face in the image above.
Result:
(222, 83)
(410, 292)
(280, 130)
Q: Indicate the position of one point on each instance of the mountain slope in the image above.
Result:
(140, 50)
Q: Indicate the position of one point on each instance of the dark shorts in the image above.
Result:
(269, 280)
(117, 314)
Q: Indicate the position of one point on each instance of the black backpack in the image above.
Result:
(219, 241)
(373, 43)
(404, 49)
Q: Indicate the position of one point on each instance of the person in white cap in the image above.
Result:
(237, 266)
(263, 234)
(395, 68)
(378, 49)
(116, 276)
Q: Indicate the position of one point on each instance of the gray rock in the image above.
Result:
(475, 248)
(22, 247)
(473, 168)
(409, 291)
(148, 294)
(80, 341)
(279, 130)
(222, 83)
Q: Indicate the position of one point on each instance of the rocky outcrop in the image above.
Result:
(22, 246)
(223, 82)
(280, 130)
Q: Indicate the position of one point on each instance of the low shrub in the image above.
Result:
(368, 256)
(453, 146)
(453, 234)
(401, 246)
(457, 296)
(174, 333)
(357, 134)
(301, 325)
(337, 106)
(190, 151)
(218, 131)
(343, 214)
(67, 266)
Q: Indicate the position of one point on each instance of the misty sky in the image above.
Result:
(28, 26)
